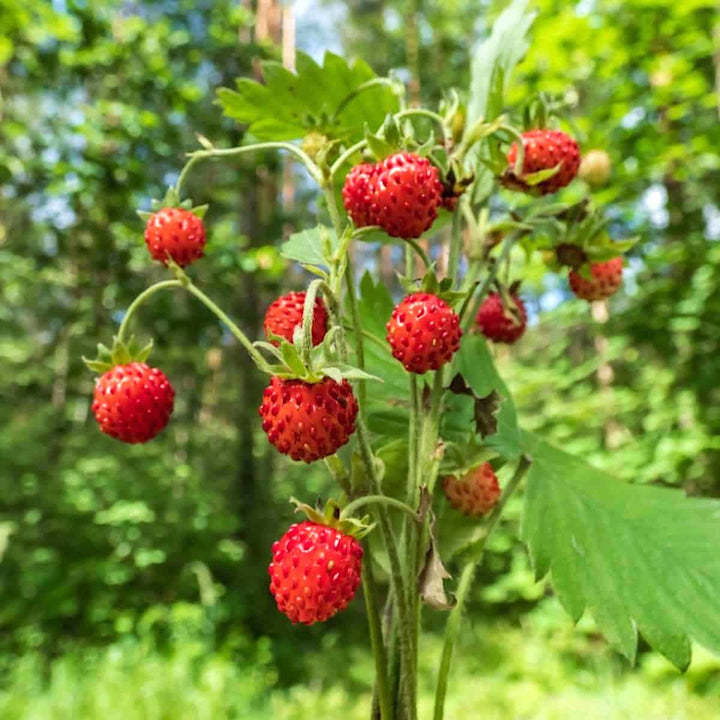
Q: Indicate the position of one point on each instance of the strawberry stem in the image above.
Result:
(312, 168)
(352, 507)
(452, 629)
(138, 301)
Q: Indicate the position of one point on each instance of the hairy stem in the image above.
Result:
(452, 629)
(376, 641)
(455, 245)
(186, 283)
(351, 507)
(138, 301)
(408, 676)
(468, 313)
(312, 168)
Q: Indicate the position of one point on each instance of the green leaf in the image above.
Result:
(639, 558)
(289, 105)
(387, 403)
(309, 247)
(495, 58)
(477, 367)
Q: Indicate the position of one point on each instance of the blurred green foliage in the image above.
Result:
(103, 543)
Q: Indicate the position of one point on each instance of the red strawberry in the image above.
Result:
(315, 572)
(401, 194)
(308, 421)
(606, 279)
(499, 324)
(544, 149)
(358, 194)
(423, 332)
(286, 313)
(177, 233)
(133, 403)
(407, 194)
(475, 493)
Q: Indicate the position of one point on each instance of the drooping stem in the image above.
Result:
(422, 112)
(186, 283)
(231, 326)
(452, 629)
(184, 173)
(312, 168)
(357, 147)
(138, 301)
(351, 507)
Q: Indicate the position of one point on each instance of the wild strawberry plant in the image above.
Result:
(400, 398)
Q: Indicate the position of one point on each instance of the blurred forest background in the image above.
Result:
(133, 578)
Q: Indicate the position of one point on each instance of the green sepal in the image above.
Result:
(120, 354)
(172, 200)
(378, 146)
(540, 176)
(430, 284)
(391, 131)
(330, 516)
(459, 458)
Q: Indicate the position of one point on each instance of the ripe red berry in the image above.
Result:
(286, 313)
(133, 403)
(407, 194)
(358, 194)
(177, 233)
(401, 194)
(315, 572)
(606, 279)
(544, 149)
(499, 324)
(475, 493)
(308, 421)
(423, 332)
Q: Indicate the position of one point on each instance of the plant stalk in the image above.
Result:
(452, 629)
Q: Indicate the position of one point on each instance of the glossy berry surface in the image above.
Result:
(423, 332)
(544, 149)
(401, 194)
(308, 421)
(358, 194)
(606, 280)
(176, 233)
(315, 572)
(475, 493)
(286, 313)
(133, 403)
(500, 324)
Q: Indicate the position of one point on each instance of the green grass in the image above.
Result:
(545, 670)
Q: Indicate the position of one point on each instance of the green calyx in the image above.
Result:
(311, 365)
(330, 516)
(573, 236)
(172, 200)
(430, 284)
(458, 460)
(122, 353)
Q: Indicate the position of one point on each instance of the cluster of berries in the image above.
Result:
(315, 569)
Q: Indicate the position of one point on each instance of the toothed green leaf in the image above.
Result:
(290, 104)
(638, 558)
(309, 246)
